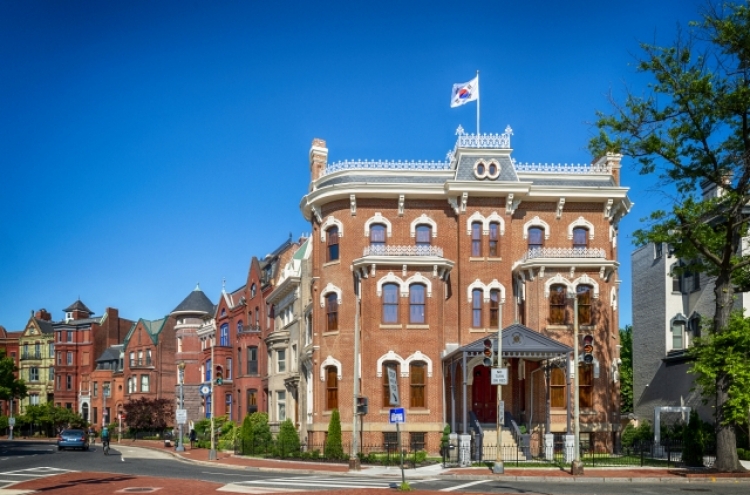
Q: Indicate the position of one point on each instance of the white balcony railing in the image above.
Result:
(403, 251)
(550, 252)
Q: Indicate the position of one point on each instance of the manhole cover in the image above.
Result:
(138, 489)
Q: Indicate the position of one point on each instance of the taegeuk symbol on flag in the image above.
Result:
(464, 93)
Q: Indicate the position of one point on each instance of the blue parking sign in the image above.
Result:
(398, 415)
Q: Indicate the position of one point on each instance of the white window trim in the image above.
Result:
(330, 361)
(475, 217)
(418, 356)
(558, 279)
(418, 278)
(581, 222)
(378, 218)
(392, 278)
(327, 290)
(494, 217)
(586, 280)
(613, 298)
(536, 222)
(390, 356)
(423, 220)
(330, 222)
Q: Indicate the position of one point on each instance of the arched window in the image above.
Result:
(253, 290)
(494, 251)
(678, 335)
(332, 388)
(557, 295)
(494, 308)
(386, 389)
(586, 386)
(536, 237)
(390, 303)
(476, 239)
(580, 237)
(423, 235)
(476, 308)
(332, 311)
(557, 388)
(239, 326)
(224, 335)
(416, 303)
(583, 293)
(332, 251)
(417, 384)
(377, 234)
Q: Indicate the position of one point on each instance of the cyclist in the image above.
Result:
(105, 439)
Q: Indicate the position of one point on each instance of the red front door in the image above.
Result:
(483, 396)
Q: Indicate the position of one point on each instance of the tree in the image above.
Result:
(288, 441)
(334, 448)
(10, 386)
(693, 442)
(626, 369)
(255, 433)
(149, 414)
(692, 127)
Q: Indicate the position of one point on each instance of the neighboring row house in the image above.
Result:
(9, 347)
(36, 360)
(442, 254)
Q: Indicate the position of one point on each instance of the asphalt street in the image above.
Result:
(23, 460)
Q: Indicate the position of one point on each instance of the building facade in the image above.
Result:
(36, 361)
(442, 255)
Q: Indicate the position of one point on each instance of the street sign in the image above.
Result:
(393, 388)
(205, 390)
(11, 421)
(181, 416)
(499, 376)
(398, 415)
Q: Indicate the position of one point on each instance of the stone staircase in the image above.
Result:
(509, 445)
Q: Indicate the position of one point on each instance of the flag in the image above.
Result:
(464, 93)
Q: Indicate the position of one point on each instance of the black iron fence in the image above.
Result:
(385, 454)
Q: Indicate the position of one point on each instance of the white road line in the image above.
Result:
(463, 486)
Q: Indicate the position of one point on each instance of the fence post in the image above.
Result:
(669, 452)
(640, 449)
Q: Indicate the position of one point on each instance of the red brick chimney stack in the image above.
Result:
(318, 158)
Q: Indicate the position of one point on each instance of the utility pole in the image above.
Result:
(181, 373)
(353, 456)
(498, 467)
(576, 468)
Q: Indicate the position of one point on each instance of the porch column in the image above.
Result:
(569, 391)
(548, 397)
(464, 375)
(453, 395)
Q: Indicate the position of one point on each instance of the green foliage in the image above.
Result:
(255, 434)
(445, 439)
(726, 353)
(626, 369)
(743, 454)
(404, 487)
(334, 448)
(691, 129)
(632, 435)
(10, 386)
(49, 418)
(693, 441)
(3, 422)
(288, 441)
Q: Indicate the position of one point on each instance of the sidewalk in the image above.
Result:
(551, 474)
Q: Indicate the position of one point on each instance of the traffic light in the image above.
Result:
(489, 353)
(361, 405)
(219, 374)
(588, 348)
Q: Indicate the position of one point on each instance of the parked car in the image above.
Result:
(74, 439)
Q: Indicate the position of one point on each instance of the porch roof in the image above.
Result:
(519, 341)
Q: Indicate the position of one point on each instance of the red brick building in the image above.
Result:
(106, 386)
(444, 253)
(9, 348)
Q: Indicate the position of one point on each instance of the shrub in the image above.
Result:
(693, 441)
(288, 439)
(445, 439)
(632, 435)
(255, 434)
(334, 448)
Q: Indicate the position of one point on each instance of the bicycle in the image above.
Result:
(105, 446)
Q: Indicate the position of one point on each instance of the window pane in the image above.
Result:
(557, 296)
(494, 308)
(494, 231)
(390, 303)
(476, 308)
(416, 303)
(332, 308)
(580, 236)
(333, 243)
(417, 385)
(476, 239)
(424, 235)
(377, 234)
(536, 237)
(386, 390)
(584, 304)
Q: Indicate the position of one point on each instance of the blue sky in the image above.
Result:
(148, 146)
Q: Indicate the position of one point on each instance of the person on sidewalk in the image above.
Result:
(193, 437)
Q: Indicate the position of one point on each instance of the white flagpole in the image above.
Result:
(479, 95)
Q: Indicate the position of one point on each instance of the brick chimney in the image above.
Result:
(318, 158)
(612, 161)
(42, 314)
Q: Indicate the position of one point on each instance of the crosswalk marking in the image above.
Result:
(9, 478)
(315, 483)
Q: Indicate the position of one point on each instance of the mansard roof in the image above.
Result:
(196, 302)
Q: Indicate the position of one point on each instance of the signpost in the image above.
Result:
(499, 376)
(398, 416)
(393, 387)
(181, 416)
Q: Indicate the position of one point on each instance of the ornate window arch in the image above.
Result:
(494, 285)
(392, 278)
(418, 278)
(477, 284)
(422, 220)
(586, 280)
(330, 222)
(330, 361)
(391, 356)
(559, 279)
(494, 218)
(476, 217)
(613, 298)
(581, 222)
(536, 222)
(417, 356)
(378, 218)
(327, 290)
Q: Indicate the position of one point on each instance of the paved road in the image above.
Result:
(22, 461)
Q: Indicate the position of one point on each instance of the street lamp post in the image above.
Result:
(181, 372)
(498, 467)
(212, 452)
(576, 468)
